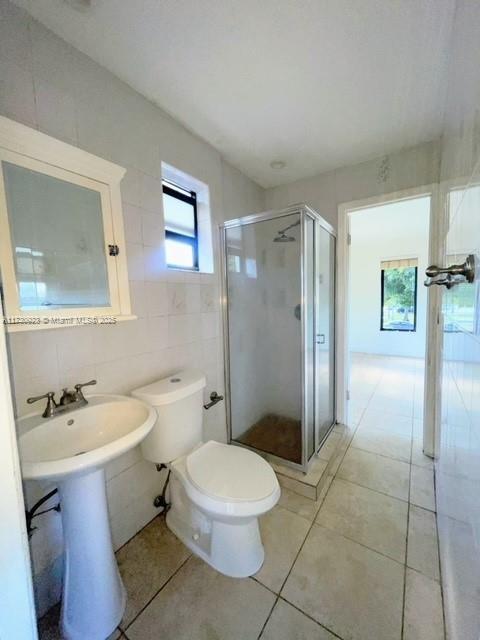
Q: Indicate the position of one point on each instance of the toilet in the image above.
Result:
(217, 491)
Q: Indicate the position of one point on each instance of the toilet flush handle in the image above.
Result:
(214, 398)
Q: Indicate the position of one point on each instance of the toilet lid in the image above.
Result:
(230, 473)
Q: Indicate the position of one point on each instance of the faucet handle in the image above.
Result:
(51, 404)
(79, 387)
(50, 395)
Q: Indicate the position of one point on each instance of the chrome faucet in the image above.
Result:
(69, 400)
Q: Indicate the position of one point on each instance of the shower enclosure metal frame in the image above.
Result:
(305, 213)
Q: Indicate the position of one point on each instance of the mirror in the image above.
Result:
(57, 238)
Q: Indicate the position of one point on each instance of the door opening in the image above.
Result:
(386, 317)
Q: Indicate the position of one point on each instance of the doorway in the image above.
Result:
(385, 317)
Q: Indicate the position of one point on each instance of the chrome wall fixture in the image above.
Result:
(452, 275)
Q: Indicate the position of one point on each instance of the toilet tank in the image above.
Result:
(178, 400)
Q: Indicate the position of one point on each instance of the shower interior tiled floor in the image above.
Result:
(359, 563)
(279, 435)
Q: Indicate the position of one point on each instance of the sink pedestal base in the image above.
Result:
(94, 597)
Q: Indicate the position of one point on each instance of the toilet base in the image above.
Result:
(231, 546)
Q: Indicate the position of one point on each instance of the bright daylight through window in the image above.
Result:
(181, 229)
(399, 295)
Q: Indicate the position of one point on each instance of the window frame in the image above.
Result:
(190, 197)
(415, 301)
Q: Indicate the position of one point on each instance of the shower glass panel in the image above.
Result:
(265, 336)
(277, 266)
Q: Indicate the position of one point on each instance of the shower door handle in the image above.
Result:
(320, 338)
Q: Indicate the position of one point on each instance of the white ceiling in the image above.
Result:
(318, 84)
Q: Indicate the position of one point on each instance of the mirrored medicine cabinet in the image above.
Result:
(62, 246)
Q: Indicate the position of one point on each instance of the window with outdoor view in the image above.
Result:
(181, 227)
(399, 295)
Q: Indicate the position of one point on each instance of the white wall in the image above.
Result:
(48, 85)
(412, 167)
(398, 230)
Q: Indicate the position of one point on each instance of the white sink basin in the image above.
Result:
(71, 449)
(83, 439)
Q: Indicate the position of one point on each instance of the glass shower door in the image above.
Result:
(264, 298)
(324, 333)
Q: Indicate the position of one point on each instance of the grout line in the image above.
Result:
(306, 537)
(362, 544)
(406, 554)
(310, 618)
(442, 596)
(156, 594)
(269, 615)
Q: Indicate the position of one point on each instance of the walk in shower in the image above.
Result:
(279, 290)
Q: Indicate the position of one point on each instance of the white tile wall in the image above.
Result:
(47, 84)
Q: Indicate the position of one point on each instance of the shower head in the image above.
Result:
(282, 237)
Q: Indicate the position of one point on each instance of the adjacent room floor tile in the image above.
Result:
(384, 443)
(371, 518)
(422, 553)
(376, 472)
(353, 591)
(146, 562)
(300, 505)
(288, 623)
(386, 421)
(423, 608)
(283, 533)
(422, 491)
(201, 604)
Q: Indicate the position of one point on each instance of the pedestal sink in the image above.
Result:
(72, 449)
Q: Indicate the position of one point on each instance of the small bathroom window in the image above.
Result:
(188, 225)
(181, 227)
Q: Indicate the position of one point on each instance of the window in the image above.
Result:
(181, 227)
(399, 295)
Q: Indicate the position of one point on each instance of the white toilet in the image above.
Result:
(217, 491)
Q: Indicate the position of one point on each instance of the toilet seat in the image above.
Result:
(229, 473)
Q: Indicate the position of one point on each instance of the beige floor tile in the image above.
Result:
(351, 590)
(423, 608)
(422, 553)
(376, 472)
(146, 563)
(283, 533)
(418, 457)
(298, 504)
(422, 492)
(371, 518)
(201, 604)
(384, 443)
(288, 623)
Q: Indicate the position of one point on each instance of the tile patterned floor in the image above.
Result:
(360, 563)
